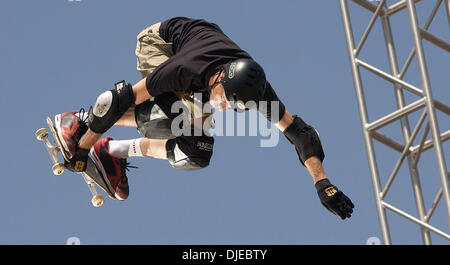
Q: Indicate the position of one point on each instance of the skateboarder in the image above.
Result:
(186, 60)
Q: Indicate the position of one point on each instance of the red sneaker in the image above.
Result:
(111, 167)
(70, 129)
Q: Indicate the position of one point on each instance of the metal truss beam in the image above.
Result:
(426, 102)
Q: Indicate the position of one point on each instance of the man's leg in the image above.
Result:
(111, 155)
(128, 119)
(182, 152)
(153, 120)
(151, 51)
(139, 147)
(140, 95)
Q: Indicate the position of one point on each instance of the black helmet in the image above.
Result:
(244, 81)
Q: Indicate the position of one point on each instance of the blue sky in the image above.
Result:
(58, 56)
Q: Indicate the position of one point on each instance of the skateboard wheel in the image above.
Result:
(58, 169)
(41, 133)
(98, 200)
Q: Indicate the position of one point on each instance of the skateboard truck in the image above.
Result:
(58, 168)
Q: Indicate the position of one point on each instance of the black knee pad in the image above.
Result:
(154, 118)
(305, 139)
(110, 106)
(152, 122)
(190, 152)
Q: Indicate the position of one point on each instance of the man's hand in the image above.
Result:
(333, 199)
(78, 162)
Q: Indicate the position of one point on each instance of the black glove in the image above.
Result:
(333, 199)
(78, 162)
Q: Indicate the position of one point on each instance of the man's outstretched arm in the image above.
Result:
(309, 149)
(313, 164)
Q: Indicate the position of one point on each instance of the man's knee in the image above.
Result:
(110, 106)
(190, 152)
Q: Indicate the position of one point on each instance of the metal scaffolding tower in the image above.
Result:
(425, 103)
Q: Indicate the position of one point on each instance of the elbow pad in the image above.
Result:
(305, 139)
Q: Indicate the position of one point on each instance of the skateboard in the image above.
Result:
(92, 176)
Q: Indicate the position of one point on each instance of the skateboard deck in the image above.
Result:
(92, 176)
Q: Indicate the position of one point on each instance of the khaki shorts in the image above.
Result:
(151, 51)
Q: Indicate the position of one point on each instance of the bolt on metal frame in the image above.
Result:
(427, 103)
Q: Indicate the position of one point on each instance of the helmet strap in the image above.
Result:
(219, 72)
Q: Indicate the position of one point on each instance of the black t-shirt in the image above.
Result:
(199, 47)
